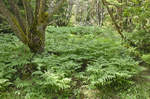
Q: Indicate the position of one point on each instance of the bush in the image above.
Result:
(141, 40)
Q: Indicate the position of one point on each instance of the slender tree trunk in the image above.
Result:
(99, 13)
(113, 19)
(102, 15)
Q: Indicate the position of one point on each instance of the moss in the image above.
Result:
(20, 32)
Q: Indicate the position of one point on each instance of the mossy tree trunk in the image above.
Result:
(30, 28)
(36, 41)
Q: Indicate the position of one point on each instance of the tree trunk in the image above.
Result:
(30, 28)
(37, 39)
(36, 43)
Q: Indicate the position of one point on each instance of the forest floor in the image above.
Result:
(139, 90)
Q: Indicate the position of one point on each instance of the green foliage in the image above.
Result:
(4, 27)
(146, 58)
(141, 40)
(76, 30)
(112, 71)
(74, 57)
(62, 17)
(139, 91)
(13, 56)
(138, 13)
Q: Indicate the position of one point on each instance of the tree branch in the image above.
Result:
(40, 9)
(28, 12)
(15, 10)
(113, 19)
(12, 20)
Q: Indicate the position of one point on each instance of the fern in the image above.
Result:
(74, 57)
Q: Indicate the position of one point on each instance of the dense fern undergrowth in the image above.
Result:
(75, 59)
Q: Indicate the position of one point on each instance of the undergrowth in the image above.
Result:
(74, 58)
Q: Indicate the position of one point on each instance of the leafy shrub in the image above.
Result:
(141, 40)
(139, 24)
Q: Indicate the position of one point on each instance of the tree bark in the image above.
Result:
(37, 41)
